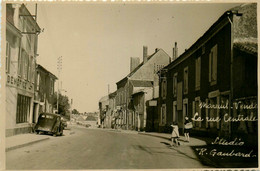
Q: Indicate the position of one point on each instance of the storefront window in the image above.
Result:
(23, 108)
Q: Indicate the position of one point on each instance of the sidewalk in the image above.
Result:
(22, 140)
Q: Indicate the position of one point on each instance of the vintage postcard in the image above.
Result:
(107, 85)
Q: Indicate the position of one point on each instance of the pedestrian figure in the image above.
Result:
(187, 127)
(175, 134)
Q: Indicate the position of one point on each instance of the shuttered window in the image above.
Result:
(198, 68)
(8, 56)
(213, 65)
(185, 84)
(175, 84)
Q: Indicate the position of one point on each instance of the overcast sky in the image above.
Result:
(96, 41)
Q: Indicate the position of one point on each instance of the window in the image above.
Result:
(20, 62)
(38, 81)
(175, 84)
(24, 64)
(185, 84)
(8, 56)
(164, 88)
(198, 68)
(213, 65)
(32, 70)
(23, 108)
(163, 114)
(51, 86)
(175, 112)
(29, 69)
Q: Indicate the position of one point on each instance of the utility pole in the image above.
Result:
(59, 68)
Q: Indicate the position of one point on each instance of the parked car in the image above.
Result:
(50, 124)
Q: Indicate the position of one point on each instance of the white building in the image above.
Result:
(21, 51)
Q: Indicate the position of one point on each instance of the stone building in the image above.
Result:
(21, 50)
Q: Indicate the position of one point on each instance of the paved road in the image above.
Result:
(101, 149)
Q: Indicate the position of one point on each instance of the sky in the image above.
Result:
(96, 41)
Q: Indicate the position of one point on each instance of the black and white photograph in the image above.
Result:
(114, 85)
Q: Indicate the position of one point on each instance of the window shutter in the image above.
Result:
(210, 66)
(193, 111)
(7, 57)
(215, 55)
(207, 113)
(165, 114)
(199, 68)
(199, 114)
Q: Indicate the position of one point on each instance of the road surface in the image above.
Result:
(101, 149)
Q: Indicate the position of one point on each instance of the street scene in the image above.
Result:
(130, 86)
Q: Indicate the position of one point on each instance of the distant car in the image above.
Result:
(50, 124)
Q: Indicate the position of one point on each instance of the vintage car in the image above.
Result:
(50, 124)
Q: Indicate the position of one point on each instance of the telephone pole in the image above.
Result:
(59, 68)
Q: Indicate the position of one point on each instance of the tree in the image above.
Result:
(75, 111)
(64, 105)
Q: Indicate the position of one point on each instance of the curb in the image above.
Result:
(24, 145)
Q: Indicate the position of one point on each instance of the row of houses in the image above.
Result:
(214, 83)
(29, 86)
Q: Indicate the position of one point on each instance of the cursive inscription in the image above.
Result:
(222, 141)
(236, 105)
(227, 118)
(217, 153)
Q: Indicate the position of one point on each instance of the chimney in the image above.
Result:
(145, 54)
(156, 49)
(173, 54)
(176, 50)
(134, 62)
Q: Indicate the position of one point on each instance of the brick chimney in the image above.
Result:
(134, 62)
(176, 50)
(145, 56)
(173, 54)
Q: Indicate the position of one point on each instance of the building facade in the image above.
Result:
(214, 82)
(44, 92)
(21, 50)
(103, 109)
(146, 71)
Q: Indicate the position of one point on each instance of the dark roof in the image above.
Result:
(139, 66)
(141, 83)
(111, 95)
(209, 32)
(246, 46)
(245, 25)
(45, 70)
